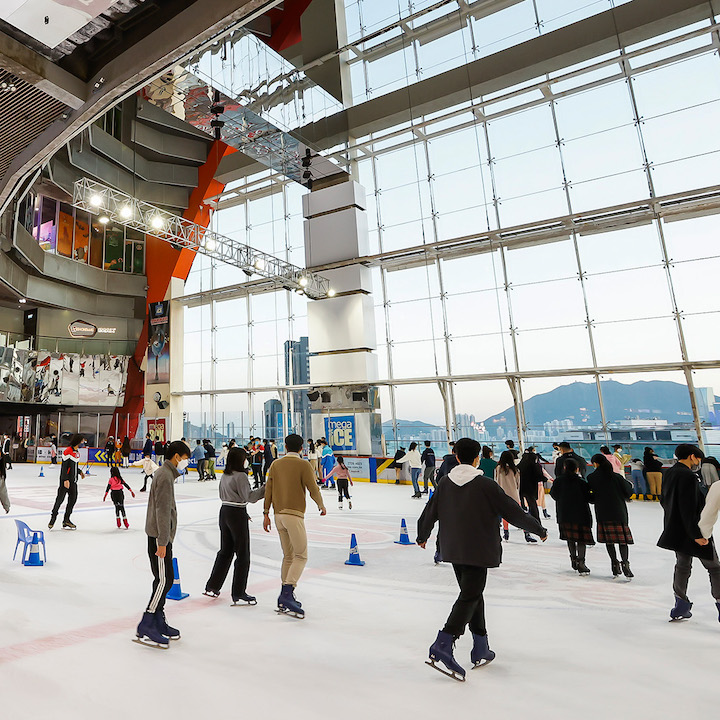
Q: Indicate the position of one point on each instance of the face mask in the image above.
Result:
(183, 464)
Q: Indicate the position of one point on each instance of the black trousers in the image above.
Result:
(118, 498)
(201, 468)
(469, 608)
(258, 478)
(72, 493)
(683, 569)
(234, 541)
(342, 488)
(531, 502)
(163, 575)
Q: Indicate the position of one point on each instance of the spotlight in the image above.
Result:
(22, 300)
(331, 293)
(104, 219)
(126, 212)
(299, 291)
(157, 222)
(247, 272)
(259, 264)
(96, 200)
(303, 282)
(210, 245)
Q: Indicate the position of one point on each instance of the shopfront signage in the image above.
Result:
(84, 329)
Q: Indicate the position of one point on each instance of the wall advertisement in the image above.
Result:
(340, 433)
(158, 354)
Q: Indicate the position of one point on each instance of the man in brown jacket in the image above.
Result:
(287, 480)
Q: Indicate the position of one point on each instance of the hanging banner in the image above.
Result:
(158, 354)
(156, 428)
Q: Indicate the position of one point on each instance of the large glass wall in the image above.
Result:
(564, 235)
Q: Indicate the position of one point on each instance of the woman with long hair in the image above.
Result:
(507, 476)
(530, 478)
(313, 460)
(413, 458)
(235, 494)
(710, 470)
(125, 451)
(609, 492)
(572, 511)
(613, 459)
(653, 473)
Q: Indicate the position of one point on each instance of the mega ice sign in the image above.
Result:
(340, 432)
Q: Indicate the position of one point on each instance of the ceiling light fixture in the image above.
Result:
(259, 264)
(126, 212)
(23, 301)
(157, 222)
(303, 282)
(96, 200)
(104, 219)
(331, 293)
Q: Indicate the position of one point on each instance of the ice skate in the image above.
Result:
(506, 535)
(214, 594)
(288, 604)
(148, 634)
(481, 654)
(717, 605)
(615, 568)
(681, 611)
(529, 538)
(546, 514)
(627, 572)
(442, 651)
(244, 599)
(119, 524)
(127, 524)
(340, 506)
(582, 568)
(170, 632)
(68, 525)
(51, 524)
(349, 504)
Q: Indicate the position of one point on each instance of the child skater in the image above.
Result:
(610, 492)
(343, 477)
(467, 504)
(148, 468)
(572, 496)
(115, 488)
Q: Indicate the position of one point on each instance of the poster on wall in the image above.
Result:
(158, 354)
(156, 428)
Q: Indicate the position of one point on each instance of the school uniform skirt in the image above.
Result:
(614, 533)
(577, 533)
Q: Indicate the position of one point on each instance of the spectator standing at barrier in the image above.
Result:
(109, 451)
(572, 509)
(623, 458)
(400, 452)
(148, 445)
(613, 459)
(235, 494)
(567, 454)
(530, 476)
(126, 450)
(467, 505)
(210, 460)
(487, 462)
(160, 528)
(609, 492)
(159, 450)
(198, 454)
(4, 497)
(412, 457)
(288, 481)
(53, 452)
(683, 503)
(638, 478)
(653, 472)
(510, 445)
(69, 471)
(429, 467)
(710, 471)
(507, 476)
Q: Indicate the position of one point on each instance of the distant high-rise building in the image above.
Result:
(297, 372)
(273, 425)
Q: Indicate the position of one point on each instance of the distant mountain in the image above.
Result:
(578, 402)
(408, 424)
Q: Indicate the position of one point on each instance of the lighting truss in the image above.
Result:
(115, 206)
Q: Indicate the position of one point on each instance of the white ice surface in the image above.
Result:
(567, 647)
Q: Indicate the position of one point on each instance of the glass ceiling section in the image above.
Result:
(395, 43)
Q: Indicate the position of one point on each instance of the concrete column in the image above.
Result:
(341, 329)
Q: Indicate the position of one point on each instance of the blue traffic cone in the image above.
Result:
(354, 558)
(176, 592)
(42, 474)
(430, 495)
(404, 537)
(33, 559)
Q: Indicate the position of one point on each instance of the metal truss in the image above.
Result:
(115, 206)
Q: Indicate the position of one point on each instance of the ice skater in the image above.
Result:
(708, 518)
(5, 498)
(343, 477)
(288, 480)
(148, 468)
(467, 505)
(507, 476)
(683, 503)
(572, 509)
(69, 471)
(235, 494)
(160, 527)
(117, 495)
(609, 492)
(327, 460)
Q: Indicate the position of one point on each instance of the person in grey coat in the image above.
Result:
(4, 497)
(160, 527)
(235, 493)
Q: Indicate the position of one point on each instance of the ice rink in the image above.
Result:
(567, 647)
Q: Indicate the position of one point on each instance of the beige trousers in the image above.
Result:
(655, 482)
(293, 539)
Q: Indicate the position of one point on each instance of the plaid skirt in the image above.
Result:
(578, 533)
(614, 533)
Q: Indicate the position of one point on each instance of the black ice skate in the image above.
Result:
(288, 605)
(68, 525)
(148, 633)
(681, 611)
(615, 568)
(244, 599)
(442, 651)
(170, 632)
(481, 654)
(582, 568)
(627, 572)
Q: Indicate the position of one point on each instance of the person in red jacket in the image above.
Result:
(115, 488)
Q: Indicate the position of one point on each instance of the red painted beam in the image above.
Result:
(285, 25)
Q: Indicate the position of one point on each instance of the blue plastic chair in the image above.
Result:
(25, 536)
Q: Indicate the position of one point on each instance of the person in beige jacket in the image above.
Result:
(287, 481)
(507, 476)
